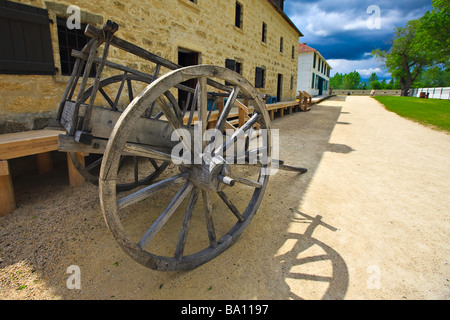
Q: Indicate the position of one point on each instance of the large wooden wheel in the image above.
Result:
(115, 93)
(198, 210)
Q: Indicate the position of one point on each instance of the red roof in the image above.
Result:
(302, 47)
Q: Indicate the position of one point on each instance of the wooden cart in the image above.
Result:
(150, 149)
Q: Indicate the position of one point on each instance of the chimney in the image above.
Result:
(280, 4)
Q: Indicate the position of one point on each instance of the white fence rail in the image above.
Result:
(435, 93)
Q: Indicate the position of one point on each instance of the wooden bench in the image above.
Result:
(21, 144)
(305, 100)
(281, 107)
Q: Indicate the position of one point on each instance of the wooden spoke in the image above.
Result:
(94, 164)
(248, 182)
(108, 99)
(250, 156)
(226, 110)
(230, 205)
(249, 124)
(186, 104)
(154, 164)
(186, 222)
(194, 103)
(148, 191)
(202, 110)
(119, 92)
(162, 219)
(147, 152)
(130, 90)
(208, 216)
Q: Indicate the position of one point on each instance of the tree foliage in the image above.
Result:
(420, 45)
(348, 81)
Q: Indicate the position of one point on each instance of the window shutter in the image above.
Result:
(259, 78)
(230, 64)
(25, 40)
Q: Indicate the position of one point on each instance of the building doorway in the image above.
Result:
(279, 87)
(187, 58)
(320, 86)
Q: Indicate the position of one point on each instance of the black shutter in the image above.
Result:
(259, 78)
(230, 64)
(26, 45)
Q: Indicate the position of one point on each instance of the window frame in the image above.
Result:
(264, 32)
(239, 15)
(65, 49)
(262, 79)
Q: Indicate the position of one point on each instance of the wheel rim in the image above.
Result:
(192, 182)
(120, 85)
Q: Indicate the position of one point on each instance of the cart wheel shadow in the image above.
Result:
(311, 268)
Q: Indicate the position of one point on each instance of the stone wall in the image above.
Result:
(366, 92)
(162, 27)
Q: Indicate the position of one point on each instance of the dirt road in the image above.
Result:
(369, 220)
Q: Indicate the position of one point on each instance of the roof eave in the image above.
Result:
(285, 17)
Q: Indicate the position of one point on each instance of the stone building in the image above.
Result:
(313, 71)
(253, 37)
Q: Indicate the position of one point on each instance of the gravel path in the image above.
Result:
(369, 220)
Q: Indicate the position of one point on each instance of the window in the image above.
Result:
(68, 40)
(293, 52)
(264, 33)
(26, 45)
(239, 15)
(233, 65)
(281, 44)
(314, 61)
(313, 79)
(260, 77)
(194, 1)
(292, 82)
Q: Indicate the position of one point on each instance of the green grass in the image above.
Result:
(430, 112)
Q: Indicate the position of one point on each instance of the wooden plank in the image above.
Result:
(20, 144)
(75, 178)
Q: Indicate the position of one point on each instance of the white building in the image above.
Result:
(313, 71)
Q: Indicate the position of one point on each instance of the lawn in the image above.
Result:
(430, 112)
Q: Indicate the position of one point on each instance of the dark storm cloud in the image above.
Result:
(341, 26)
(339, 29)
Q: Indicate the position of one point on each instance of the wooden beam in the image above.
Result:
(7, 199)
(75, 178)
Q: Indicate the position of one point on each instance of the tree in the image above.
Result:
(404, 60)
(373, 77)
(432, 33)
(420, 44)
(336, 81)
(351, 80)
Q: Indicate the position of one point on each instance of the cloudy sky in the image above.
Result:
(346, 31)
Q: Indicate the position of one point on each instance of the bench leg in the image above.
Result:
(44, 162)
(7, 199)
(75, 178)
